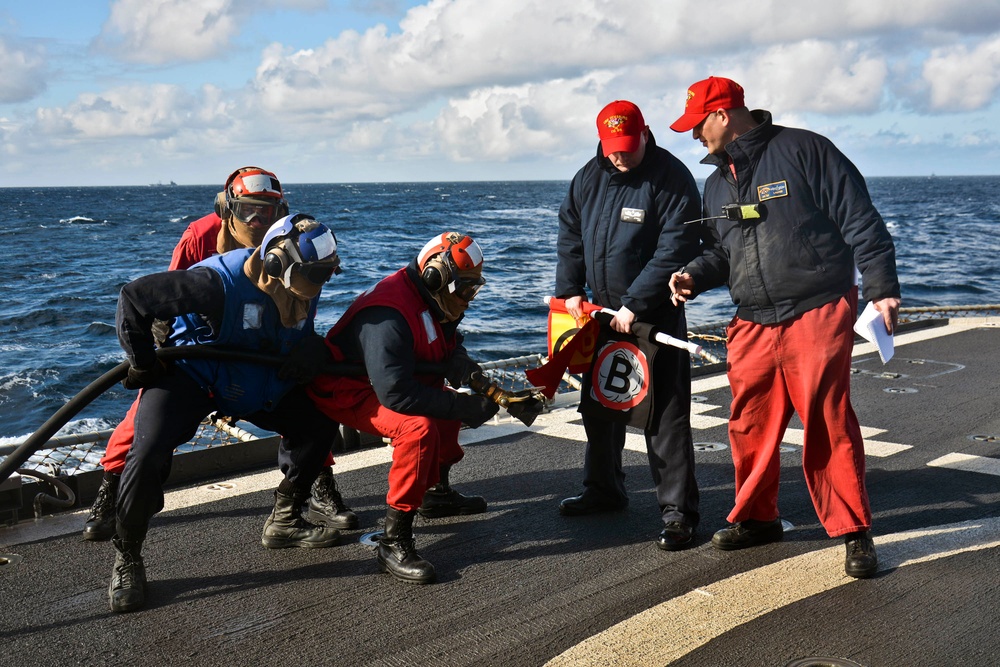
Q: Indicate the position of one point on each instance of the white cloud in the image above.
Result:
(816, 76)
(490, 82)
(835, 58)
(159, 32)
(131, 111)
(962, 78)
(162, 31)
(24, 69)
(510, 123)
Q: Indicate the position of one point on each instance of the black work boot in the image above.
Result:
(326, 506)
(861, 561)
(748, 533)
(397, 552)
(100, 525)
(286, 527)
(441, 500)
(127, 591)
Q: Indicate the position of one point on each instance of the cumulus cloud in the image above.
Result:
(451, 48)
(510, 123)
(817, 76)
(961, 77)
(129, 111)
(24, 69)
(164, 31)
(831, 59)
(519, 80)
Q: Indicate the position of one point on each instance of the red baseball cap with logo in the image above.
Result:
(707, 96)
(620, 125)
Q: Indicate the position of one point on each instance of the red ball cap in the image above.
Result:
(706, 96)
(619, 125)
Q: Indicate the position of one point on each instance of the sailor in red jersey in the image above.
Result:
(410, 318)
(251, 200)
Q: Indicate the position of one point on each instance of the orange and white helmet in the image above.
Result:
(454, 262)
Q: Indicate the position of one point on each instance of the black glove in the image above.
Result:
(306, 361)
(139, 378)
(473, 409)
(460, 368)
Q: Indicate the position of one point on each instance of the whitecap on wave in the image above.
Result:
(528, 214)
(91, 425)
(9, 382)
(79, 219)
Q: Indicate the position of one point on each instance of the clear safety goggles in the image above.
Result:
(466, 289)
(255, 211)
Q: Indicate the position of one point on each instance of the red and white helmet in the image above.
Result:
(253, 182)
(463, 252)
(254, 194)
(452, 262)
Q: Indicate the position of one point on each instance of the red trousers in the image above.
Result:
(121, 439)
(802, 365)
(420, 445)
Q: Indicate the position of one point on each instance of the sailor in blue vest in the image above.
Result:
(261, 300)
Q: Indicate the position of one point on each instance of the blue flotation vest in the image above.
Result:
(250, 322)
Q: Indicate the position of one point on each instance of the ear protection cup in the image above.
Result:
(221, 206)
(276, 261)
(437, 274)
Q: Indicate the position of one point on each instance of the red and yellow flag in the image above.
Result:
(571, 346)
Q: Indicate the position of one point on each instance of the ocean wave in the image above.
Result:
(101, 329)
(15, 381)
(529, 214)
(82, 220)
(944, 230)
(80, 426)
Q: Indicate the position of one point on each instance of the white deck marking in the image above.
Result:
(968, 463)
(795, 436)
(710, 611)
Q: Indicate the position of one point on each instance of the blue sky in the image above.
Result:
(146, 91)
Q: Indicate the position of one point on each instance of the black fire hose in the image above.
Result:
(37, 440)
(523, 405)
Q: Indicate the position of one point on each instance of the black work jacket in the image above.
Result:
(622, 234)
(817, 222)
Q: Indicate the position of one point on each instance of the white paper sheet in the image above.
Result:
(871, 327)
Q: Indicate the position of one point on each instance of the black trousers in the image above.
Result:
(668, 443)
(168, 415)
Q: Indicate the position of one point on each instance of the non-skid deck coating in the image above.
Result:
(521, 585)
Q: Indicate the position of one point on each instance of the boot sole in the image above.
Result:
(442, 515)
(407, 580)
(861, 573)
(734, 546)
(302, 544)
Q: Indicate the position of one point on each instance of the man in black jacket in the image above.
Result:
(622, 234)
(257, 300)
(793, 218)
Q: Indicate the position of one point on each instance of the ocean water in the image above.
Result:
(68, 251)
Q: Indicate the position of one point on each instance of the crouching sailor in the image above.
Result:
(408, 318)
(261, 300)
